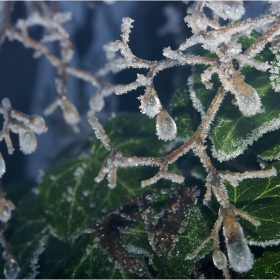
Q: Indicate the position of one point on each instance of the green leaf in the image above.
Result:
(260, 198)
(69, 196)
(266, 267)
(130, 236)
(125, 236)
(29, 229)
(231, 132)
(88, 261)
(183, 113)
(268, 146)
(54, 258)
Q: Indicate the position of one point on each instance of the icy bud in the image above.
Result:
(233, 10)
(11, 269)
(247, 98)
(219, 259)
(150, 103)
(6, 103)
(6, 207)
(126, 28)
(240, 257)
(165, 126)
(70, 113)
(96, 103)
(37, 124)
(2, 166)
(27, 141)
(196, 22)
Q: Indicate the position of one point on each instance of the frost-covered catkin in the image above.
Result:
(27, 141)
(150, 103)
(165, 126)
(240, 257)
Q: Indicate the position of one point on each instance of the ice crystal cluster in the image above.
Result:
(220, 68)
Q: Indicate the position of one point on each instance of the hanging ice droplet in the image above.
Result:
(6, 103)
(247, 98)
(219, 259)
(70, 113)
(240, 257)
(6, 207)
(165, 126)
(27, 141)
(2, 166)
(11, 269)
(150, 103)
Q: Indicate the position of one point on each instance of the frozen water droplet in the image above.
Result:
(165, 126)
(70, 113)
(249, 104)
(219, 259)
(11, 269)
(2, 166)
(247, 98)
(150, 103)
(5, 214)
(240, 257)
(27, 141)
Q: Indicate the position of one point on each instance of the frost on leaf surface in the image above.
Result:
(121, 235)
(231, 131)
(267, 266)
(260, 199)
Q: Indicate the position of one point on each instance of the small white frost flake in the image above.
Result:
(78, 173)
(2, 166)
(150, 103)
(165, 126)
(86, 193)
(27, 141)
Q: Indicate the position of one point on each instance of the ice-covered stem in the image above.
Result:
(237, 29)
(117, 159)
(266, 37)
(58, 33)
